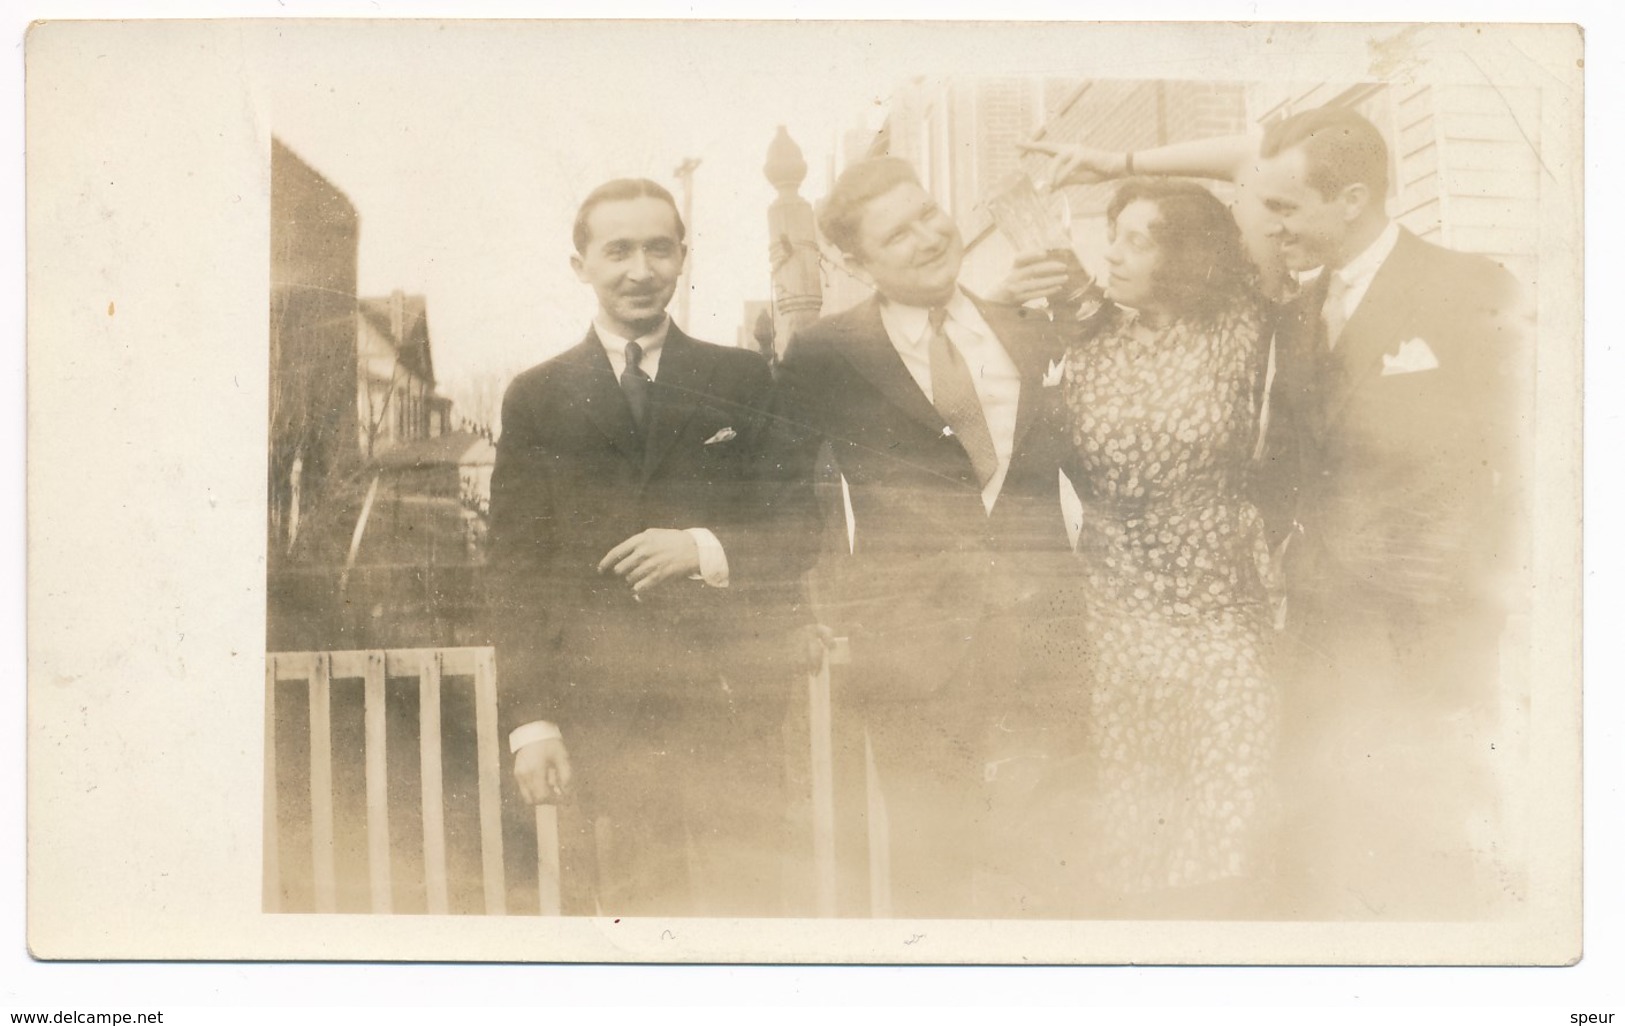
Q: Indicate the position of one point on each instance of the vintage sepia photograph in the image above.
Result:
(971, 479)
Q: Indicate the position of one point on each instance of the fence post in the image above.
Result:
(798, 287)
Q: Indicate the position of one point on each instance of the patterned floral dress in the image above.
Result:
(1181, 715)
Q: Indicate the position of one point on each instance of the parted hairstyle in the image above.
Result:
(842, 210)
(1202, 269)
(615, 191)
(1340, 148)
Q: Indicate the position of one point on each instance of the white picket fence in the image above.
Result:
(319, 673)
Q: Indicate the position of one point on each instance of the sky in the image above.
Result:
(467, 150)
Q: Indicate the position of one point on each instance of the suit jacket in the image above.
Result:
(929, 566)
(573, 479)
(1396, 452)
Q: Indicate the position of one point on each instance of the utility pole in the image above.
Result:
(685, 175)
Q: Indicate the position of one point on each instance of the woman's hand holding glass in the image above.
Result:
(1035, 275)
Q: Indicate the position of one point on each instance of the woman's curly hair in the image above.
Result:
(1204, 269)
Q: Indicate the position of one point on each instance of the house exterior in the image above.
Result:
(454, 466)
(315, 234)
(394, 379)
(1466, 158)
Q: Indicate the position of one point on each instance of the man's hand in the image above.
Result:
(542, 769)
(1076, 164)
(1032, 276)
(650, 558)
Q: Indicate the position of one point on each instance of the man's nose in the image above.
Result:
(637, 266)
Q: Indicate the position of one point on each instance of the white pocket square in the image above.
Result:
(1412, 357)
(727, 434)
(1052, 377)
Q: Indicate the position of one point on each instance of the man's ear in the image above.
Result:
(853, 265)
(1356, 198)
(579, 266)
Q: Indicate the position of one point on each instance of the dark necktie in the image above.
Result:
(953, 393)
(635, 383)
(1322, 361)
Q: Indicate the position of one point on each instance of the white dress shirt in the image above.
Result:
(713, 560)
(997, 380)
(1357, 273)
(615, 346)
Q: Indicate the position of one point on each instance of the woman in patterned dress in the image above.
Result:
(1162, 390)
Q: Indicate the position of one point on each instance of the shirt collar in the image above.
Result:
(914, 322)
(1364, 266)
(616, 344)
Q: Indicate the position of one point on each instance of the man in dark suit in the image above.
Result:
(934, 407)
(636, 626)
(1393, 447)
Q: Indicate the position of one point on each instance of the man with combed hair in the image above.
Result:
(1395, 420)
(636, 625)
(934, 407)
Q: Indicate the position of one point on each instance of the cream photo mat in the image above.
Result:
(148, 180)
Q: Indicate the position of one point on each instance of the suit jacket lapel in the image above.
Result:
(1373, 327)
(601, 398)
(684, 378)
(870, 351)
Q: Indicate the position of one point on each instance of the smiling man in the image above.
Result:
(934, 408)
(1396, 427)
(635, 626)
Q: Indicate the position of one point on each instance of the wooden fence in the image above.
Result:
(327, 678)
(316, 683)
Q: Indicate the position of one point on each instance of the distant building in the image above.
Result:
(433, 498)
(313, 411)
(350, 379)
(395, 375)
(455, 465)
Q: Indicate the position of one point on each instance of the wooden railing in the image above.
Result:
(322, 674)
(325, 675)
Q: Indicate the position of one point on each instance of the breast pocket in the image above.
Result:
(721, 446)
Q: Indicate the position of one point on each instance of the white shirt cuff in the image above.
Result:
(530, 733)
(713, 561)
